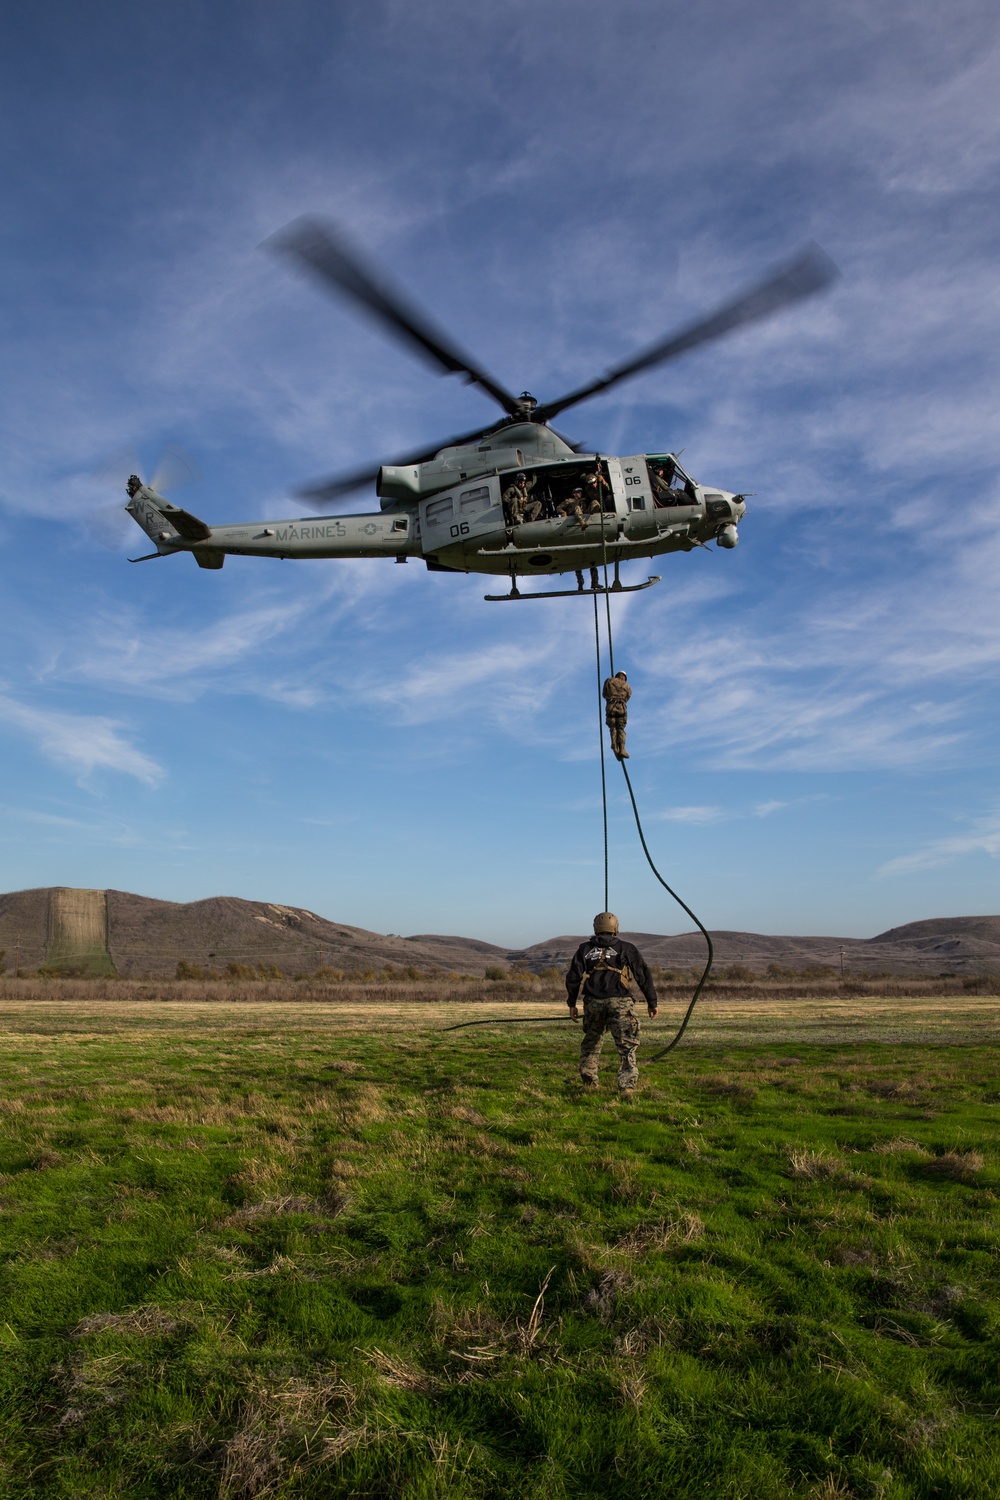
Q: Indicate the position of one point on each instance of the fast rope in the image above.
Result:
(635, 810)
(523, 1020)
(684, 907)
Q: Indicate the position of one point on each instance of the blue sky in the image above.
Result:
(814, 724)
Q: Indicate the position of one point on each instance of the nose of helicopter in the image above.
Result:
(730, 511)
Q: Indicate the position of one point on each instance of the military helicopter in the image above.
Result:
(515, 498)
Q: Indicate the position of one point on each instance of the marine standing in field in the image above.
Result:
(616, 693)
(604, 966)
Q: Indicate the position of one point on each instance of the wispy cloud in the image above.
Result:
(691, 814)
(510, 683)
(83, 742)
(983, 837)
(765, 809)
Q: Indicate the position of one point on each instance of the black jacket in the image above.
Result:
(600, 983)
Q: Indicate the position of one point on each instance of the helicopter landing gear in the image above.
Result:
(615, 588)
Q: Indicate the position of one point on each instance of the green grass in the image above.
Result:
(251, 1253)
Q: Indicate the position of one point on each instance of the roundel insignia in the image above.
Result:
(370, 529)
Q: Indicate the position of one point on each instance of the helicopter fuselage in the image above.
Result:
(458, 515)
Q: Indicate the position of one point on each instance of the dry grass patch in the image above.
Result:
(513, 1336)
(273, 1208)
(661, 1235)
(860, 1255)
(895, 1088)
(363, 1105)
(43, 1161)
(287, 1429)
(957, 1166)
(449, 1325)
(602, 1298)
(398, 1373)
(830, 1488)
(899, 1145)
(464, 1113)
(624, 1178)
(651, 1333)
(281, 1265)
(142, 1322)
(723, 1086)
(815, 1164)
(630, 1385)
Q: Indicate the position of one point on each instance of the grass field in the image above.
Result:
(326, 1249)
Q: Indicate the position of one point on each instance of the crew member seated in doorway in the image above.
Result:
(604, 966)
(517, 500)
(616, 693)
(573, 506)
(595, 490)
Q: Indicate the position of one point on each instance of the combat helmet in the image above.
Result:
(606, 923)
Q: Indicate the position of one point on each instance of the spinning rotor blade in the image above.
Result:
(337, 486)
(174, 470)
(810, 272)
(344, 484)
(324, 251)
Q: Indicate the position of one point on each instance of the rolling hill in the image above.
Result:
(93, 932)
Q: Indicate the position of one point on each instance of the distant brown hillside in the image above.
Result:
(145, 936)
(65, 926)
(942, 945)
(150, 937)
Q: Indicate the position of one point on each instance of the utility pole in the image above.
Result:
(841, 963)
(17, 954)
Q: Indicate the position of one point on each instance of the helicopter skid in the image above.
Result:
(614, 588)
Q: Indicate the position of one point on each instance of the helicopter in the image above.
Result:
(515, 498)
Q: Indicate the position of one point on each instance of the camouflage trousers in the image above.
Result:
(616, 722)
(617, 1016)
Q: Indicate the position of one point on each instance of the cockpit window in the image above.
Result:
(669, 483)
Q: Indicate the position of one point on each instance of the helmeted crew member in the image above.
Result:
(517, 500)
(573, 506)
(604, 966)
(616, 693)
(595, 488)
(668, 486)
